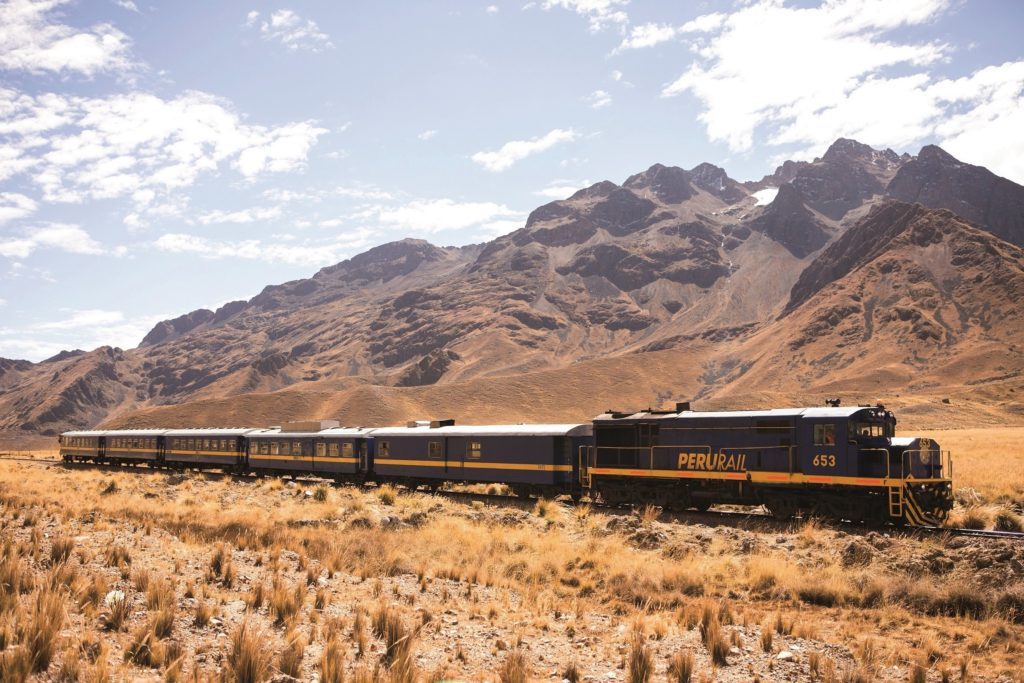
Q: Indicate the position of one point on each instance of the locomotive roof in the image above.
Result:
(839, 412)
(488, 430)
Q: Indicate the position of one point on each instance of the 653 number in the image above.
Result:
(824, 461)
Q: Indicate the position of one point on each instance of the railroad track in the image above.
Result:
(727, 517)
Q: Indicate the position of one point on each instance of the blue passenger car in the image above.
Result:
(530, 458)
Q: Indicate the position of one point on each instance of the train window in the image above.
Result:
(321, 449)
(384, 450)
(825, 435)
(275, 448)
(346, 449)
(332, 450)
(231, 445)
(297, 448)
(190, 445)
(473, 449)
(434, 449)
(871, 430)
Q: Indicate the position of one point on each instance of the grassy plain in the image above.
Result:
(148, 575)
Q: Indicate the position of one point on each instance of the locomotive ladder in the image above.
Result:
(896, 500)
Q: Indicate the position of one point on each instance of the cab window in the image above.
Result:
(434, 449)
(825, 435)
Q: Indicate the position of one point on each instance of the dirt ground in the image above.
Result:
(163, 576)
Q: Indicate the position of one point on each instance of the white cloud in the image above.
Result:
(616, 75)
(438, 215)
(599, 99)
(427, 134)
(14, 205)
(647, 35)
(774, 66)
(30, 41)
(127, 4)
(600, 13)
(136, 144)
(288, 28)
(309, 253)
(3, 302)
(86, 329)
(562, 189)
(251, 215)
(703, 23)
(517, 150)
(86, 318)
(63, 236)
(492, 9)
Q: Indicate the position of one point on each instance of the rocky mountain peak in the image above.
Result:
(384, 262)
(790, 223)
(845, 148)
(669, 184)
(166, 330)
(936, 178)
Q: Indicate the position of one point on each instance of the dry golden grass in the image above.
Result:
(537, 577)
(989, 460)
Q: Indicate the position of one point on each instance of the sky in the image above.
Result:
(159, 157)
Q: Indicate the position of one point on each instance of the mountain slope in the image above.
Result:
(672, 261)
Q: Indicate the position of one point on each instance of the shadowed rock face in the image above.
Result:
(787, 221)
(936, 179)
(668, 260)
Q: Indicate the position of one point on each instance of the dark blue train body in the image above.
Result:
(834, 461)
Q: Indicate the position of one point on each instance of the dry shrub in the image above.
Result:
(60, 549)
(641, 658)
(257, 596)
(14, 579)
(145, 648)
(960, 602)
(320, 493)
(290, 662)
(572, 673)
(286, 602)
(203, 613)
(1010, 605)
(118, 609)
(248, 659)
(117, 556)
(38, 632)
(515, 668)
(389, 627)
(387, 494)
(141, 577)
(767, 635)
(711, 634)
(359, 635)
(1007, 520)
(975, 518)
(15, 665)
(332, 662)
(680, 667)
(322, 599)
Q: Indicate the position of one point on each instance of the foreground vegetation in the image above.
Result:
(126, 576)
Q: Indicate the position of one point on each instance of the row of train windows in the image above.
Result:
(434, 449)
(323, 450)
(81, 442)
(225, 445)
(140, 443)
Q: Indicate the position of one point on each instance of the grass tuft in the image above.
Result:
(248, 659)
(514, 669)
(680, 667)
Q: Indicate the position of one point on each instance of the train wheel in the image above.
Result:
(701, 505)
(781, 509)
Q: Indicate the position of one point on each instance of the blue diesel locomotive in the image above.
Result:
(838, 462)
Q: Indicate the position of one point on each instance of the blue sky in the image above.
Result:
(158, 157)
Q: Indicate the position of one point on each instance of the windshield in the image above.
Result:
(870, 429)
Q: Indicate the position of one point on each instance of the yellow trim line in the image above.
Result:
(300, 458)
(776, 478)
(381, 462)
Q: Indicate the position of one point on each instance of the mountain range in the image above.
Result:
(863, 274)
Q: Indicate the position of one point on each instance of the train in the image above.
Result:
(833, 461)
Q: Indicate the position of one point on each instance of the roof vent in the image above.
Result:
(434, 424)
(832, 402)
(412, 424)
(682, 406)
(309, 425)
